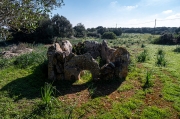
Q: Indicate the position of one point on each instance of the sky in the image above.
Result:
(121, 13)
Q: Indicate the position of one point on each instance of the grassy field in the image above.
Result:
(150, 91)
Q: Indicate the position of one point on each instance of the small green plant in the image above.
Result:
(4, 63)
(177, 49)
(91, 89)
(148, 77)
(143, 46)
(161, 61)
(100, 61)
(32, 58)
(46, 93)
(143, 56)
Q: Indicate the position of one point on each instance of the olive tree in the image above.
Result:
(62, 26)
(23, 15)
(79, 30)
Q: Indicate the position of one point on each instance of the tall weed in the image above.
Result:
(29, 59)
(143, 56)
(161, 61)
(46, 93)
(148, 77)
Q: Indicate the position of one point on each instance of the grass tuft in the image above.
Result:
(46, 93)
(143, 56)
(148, 77)
(154, 113)
(161, 61)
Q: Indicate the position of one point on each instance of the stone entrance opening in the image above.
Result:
(85, 76)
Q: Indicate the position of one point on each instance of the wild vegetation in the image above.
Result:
(149, 91)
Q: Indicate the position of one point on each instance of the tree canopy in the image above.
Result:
(24, 14)
(62, 26)
(79, 30)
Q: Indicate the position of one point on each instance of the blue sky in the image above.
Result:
(124, 13)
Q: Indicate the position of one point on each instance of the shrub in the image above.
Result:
(166, 39)
(109, 35)
(148, 77)
(177, 49)
(143, 56)
(93, 34)
(161, 61)
(5, 63)
(32, 58)
(143, 46)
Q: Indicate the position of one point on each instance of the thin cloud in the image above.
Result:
(153, 2)
(174, 16)
(115, 5)
(167, 12)
(129, 8)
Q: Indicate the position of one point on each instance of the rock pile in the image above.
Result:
(65, 64)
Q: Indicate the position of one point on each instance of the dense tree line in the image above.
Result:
(157, 30)
(57, 26)
(103, 32)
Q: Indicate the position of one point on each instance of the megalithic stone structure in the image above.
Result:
(63, 64)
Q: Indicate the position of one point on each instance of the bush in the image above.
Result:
(32, 58)
(166, 39)
(4, 63)
(161, 61)
(143, 56)
(109, 35)
(177, 49)
(93, 34)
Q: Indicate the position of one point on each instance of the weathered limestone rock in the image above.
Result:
(78, 63)
(106, 52)
(92, 47)
(65, 65)
(56, 58)
(51, 62)
(66, 46)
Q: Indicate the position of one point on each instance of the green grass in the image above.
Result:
(125, 87)
(23, 78)
(154, 113)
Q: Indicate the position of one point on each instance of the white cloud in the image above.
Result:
(129, 8)
(167, 12)
(153, 2)
(174, 16)
(115, 5)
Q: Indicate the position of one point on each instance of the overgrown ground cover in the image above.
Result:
(151, 90)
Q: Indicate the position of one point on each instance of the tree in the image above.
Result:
(101, 30)
(91, 29)
(42, 34)
(24, 14)
(116, 31)
(109, 35)
(79, 30)
(62, 26)
(177, 30)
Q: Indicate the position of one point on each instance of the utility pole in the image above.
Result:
(154, 26)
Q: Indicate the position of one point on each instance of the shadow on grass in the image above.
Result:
(28, 87)
(96, 88)
(103, 88)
